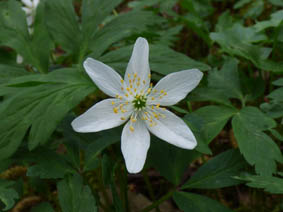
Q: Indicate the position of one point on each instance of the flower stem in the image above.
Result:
(158, 202)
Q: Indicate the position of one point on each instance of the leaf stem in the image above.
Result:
(158, 202)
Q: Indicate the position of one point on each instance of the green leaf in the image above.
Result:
(209, 94)
(218, 172)
(62, 24)
(74, 196)
(268, 183)
(189, 202)
(14, 33)
(278, 82)
(275, 20)
(7, 194)
(213, 119)
(97, 31)
(273, 109)
(257, 148)
(163, 60)
(93, 150)
(227, 79)
(49, 165)
(8, 72)
(241, 3)
(39, 102)
(169, 160)
(43, 207)
(237, 40)
(277, 94)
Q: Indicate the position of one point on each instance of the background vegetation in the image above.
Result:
(236, 113)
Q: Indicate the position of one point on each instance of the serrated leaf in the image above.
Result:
(74, 196)
(212, 120)
(8, 72)
(49, 165)
(268, 183)
(169, 160)
(95, 33)
(218, 172)
(7, 194)
(189, 202)
(257, 148)
(163, 60)
(274, 21)
(14, 33)
(237, 40)
(39, 102)
(227, 79)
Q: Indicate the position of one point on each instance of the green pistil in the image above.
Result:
(139, 102)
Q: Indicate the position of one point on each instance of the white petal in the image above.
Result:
(135, 145)
(108, 80)
(139, 64)
(172, 129)
(176, 86)
(20, 59)
(101, 116)
(35, 3)
(29, 20)
(28, 11)
(27, 3)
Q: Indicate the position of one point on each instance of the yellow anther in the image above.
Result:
(143, 81)
(122, 81)
(165, 93)
(135, 75)
(149, 75)
(133, 120)
(138, 84)
(135, 90)
(158, 105)
(123, 111)
(113, 103)
(154, 91)
(131, 85)
(151, 125)
(131, 92)
(146, 112)
(127, 103)
(123, 118)
(129, 75)
(128, 89)
(142, 118)
(127, 95)
(152, 107)
(162, 91)
(122, 88)
(120, 97)
(130, 81)
(139, 79)
(115, 110)
(152, 98)
(155, 115)
(151, 84)
(121, 105)
(145, 118)
(149, 90)
(132, 128)
(163, 108)
(117, 96)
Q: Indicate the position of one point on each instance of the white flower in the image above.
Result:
(30, 9)
(135, 99)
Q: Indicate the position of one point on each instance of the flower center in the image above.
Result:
(139, 102)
